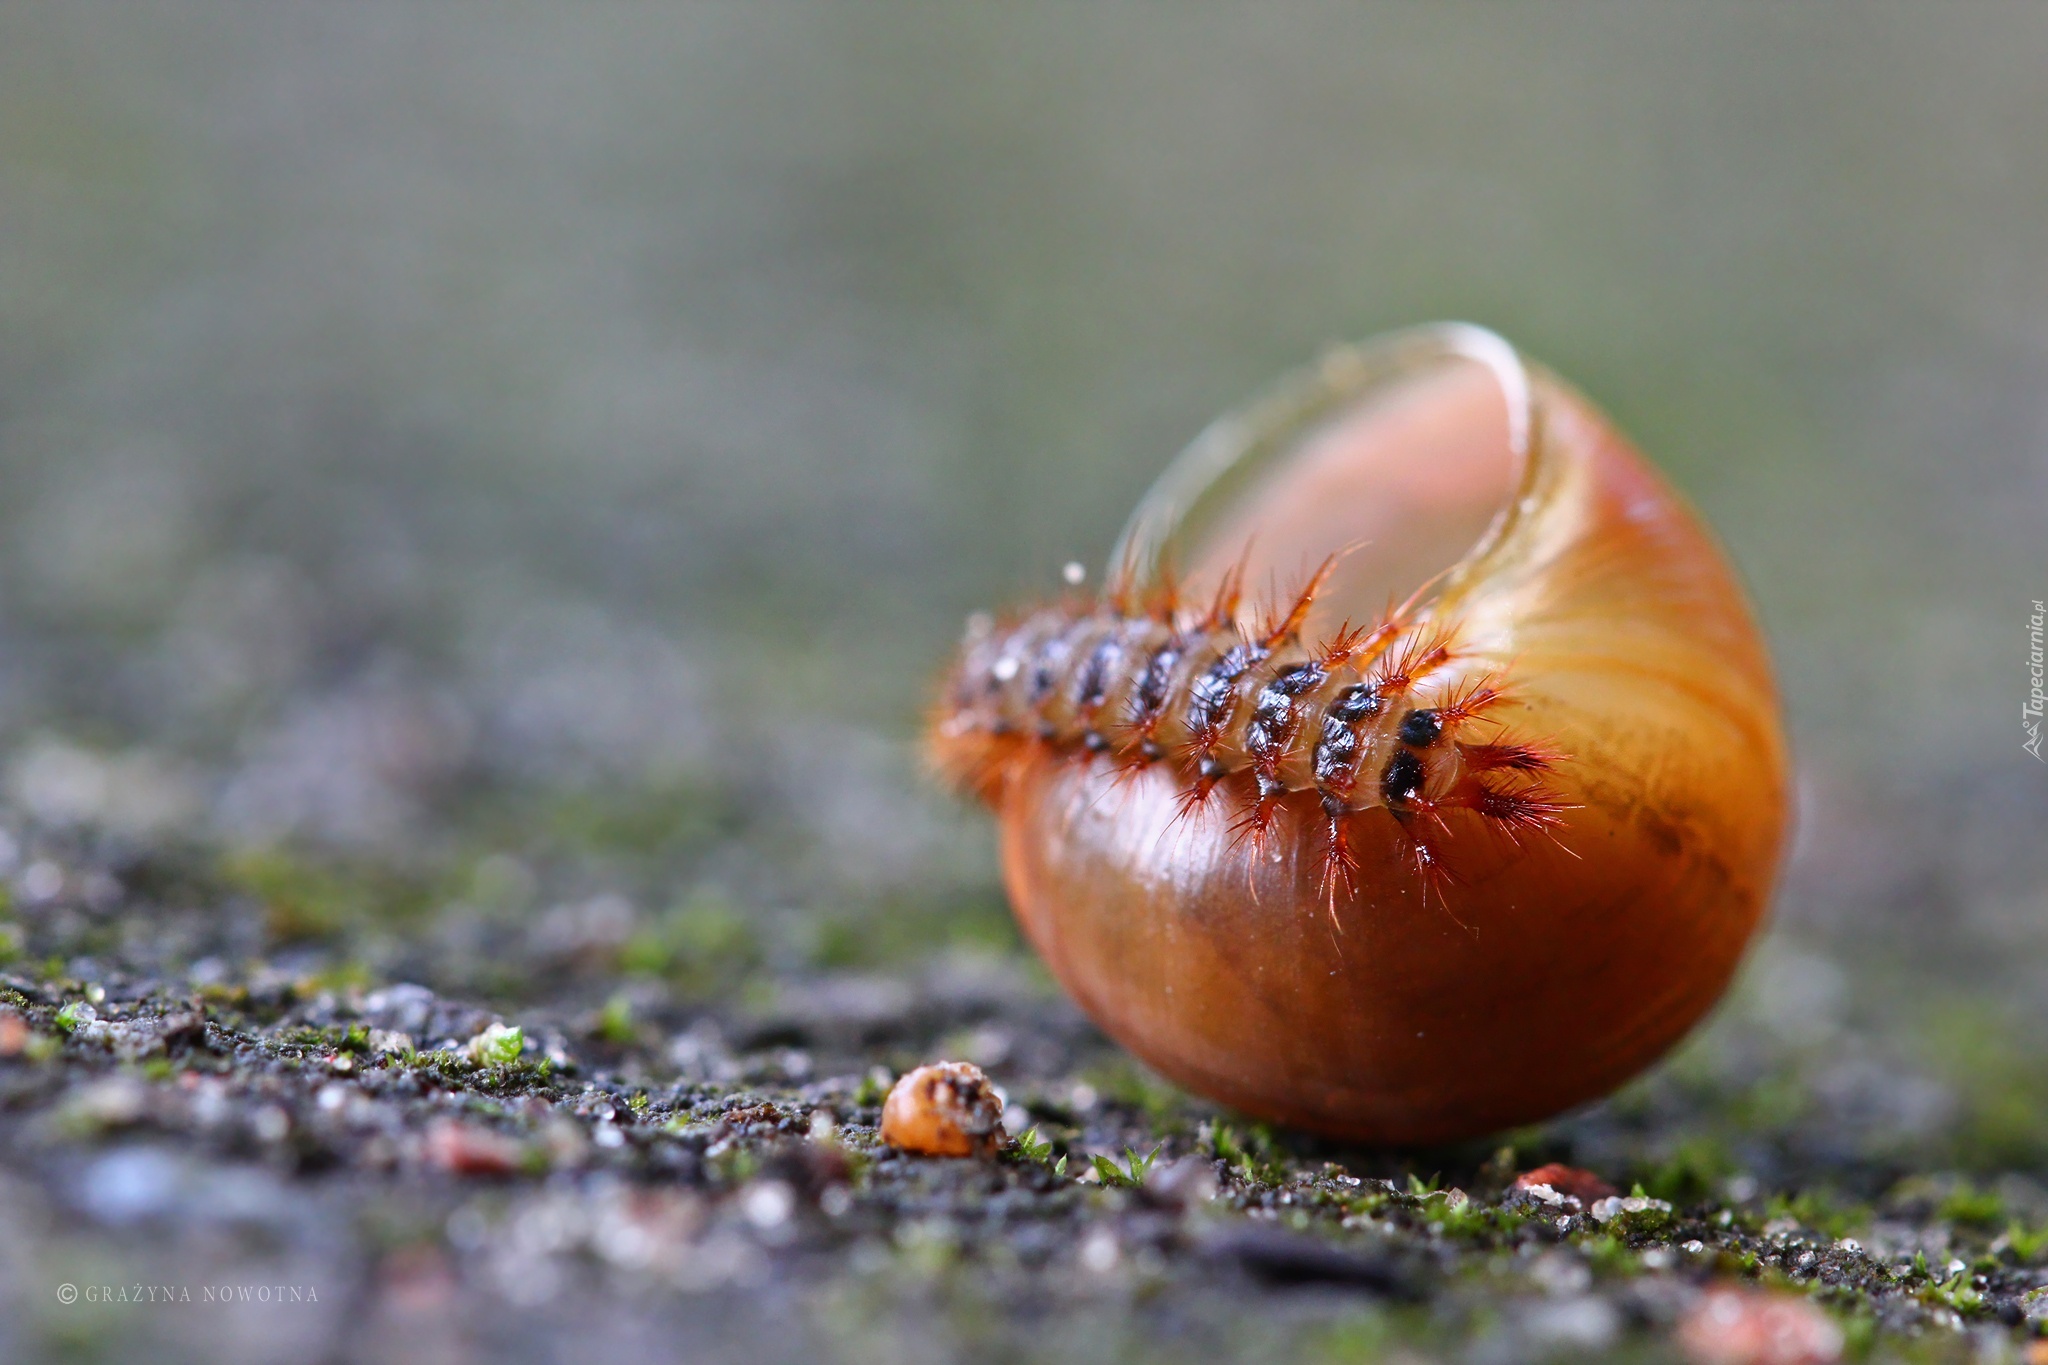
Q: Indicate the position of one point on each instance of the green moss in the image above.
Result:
(873, 1088)
(633, 822)
(1610, 1255)
(341, 978)
(1131, 1174)
(304, 899)
(1694, 1170)
(1358, 1337)
(1029, 1146)
(615, 1020)
(1816, 1210)
(1123, 1081)
(735, 1166)
(2028, 1245)
(2001, 1085)
(1955, 1292)
(705, 945)
(910, 929)
(1250, 1149)
(1972, 1207)
(1859, 1334)
(498, 1045)
(646, 953)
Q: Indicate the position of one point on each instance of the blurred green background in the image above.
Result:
(470, 436)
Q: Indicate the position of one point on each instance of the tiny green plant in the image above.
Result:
(1131, 1174)
(1974, 1207)
(2027, 1244)
(73, 1014)
(1956, 1292)
(1031, 1147)
(1251, 1152)
(874, 1088)
(615, 1023)
(498, 1045)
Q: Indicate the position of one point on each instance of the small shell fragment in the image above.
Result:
(944, 1109)
(1568, 1181)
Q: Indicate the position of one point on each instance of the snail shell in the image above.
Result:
(1468, 830)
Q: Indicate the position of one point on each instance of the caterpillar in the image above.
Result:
(1396, 873)
(1376, 720)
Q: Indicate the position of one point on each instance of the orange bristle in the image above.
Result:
(1470, 699)
(1412, 658)
(1229, 593)
(1288, 626)
(1340, 867)
(1525, 810)
(1506, 757)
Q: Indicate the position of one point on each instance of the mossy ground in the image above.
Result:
(259, 1071)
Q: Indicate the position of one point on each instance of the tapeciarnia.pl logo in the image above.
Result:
(2037, 695)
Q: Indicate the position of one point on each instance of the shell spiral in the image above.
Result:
(1468, 828)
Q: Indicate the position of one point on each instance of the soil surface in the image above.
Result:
(254, 1108)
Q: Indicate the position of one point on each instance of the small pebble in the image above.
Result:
(13, 1033)
(1613, 1207)
(1754, 1327)
(944, 1109)
(1099, 1251)
(125, 1186)
(466, 1149)
(42, 882)
(1568, 1181)
(768, 1203)
(1585, 1322)
(1177, 1184)
(270, 1124)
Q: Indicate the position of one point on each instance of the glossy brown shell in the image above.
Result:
(1546, 970)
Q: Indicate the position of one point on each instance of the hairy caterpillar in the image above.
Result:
(1468, 829)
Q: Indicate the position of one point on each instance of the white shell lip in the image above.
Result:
(1236, 447)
